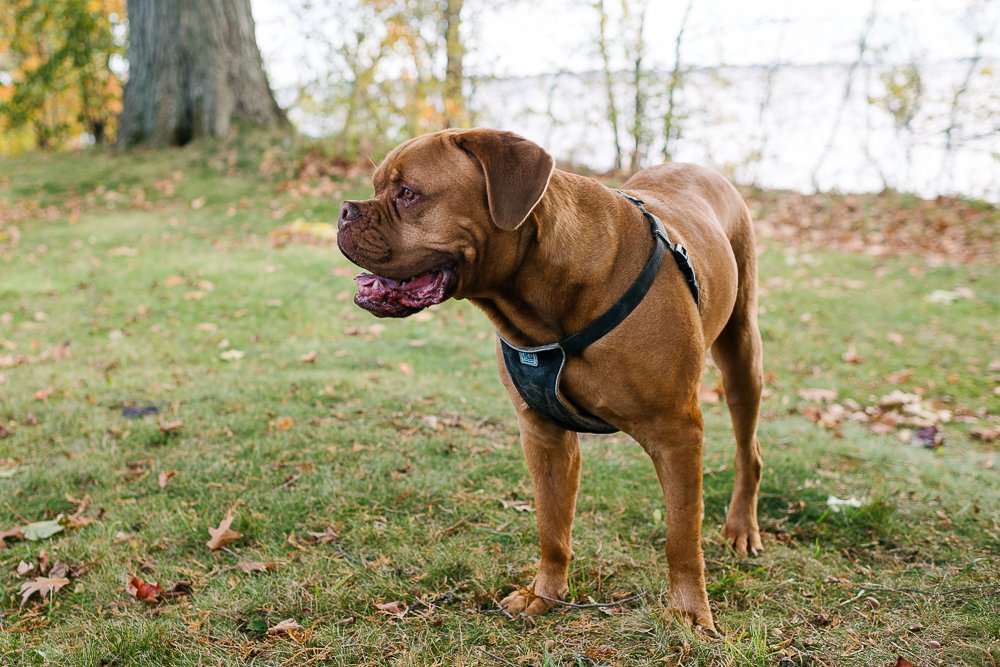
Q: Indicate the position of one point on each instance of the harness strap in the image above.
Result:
(616, 314)
(536, 371)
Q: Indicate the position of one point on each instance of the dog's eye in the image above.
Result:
(406, 194)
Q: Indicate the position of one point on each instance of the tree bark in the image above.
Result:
(455, 113)
(194, 68)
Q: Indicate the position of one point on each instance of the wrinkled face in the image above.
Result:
(425, 234)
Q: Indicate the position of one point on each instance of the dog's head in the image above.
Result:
(443, 218)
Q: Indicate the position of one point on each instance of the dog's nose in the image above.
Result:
(349, 211)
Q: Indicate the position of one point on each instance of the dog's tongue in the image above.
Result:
(385, 297)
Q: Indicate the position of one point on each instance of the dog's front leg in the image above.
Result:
(675, 445)
(553, 458)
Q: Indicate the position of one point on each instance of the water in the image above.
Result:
(774, 126)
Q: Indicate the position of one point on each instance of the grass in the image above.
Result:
(399, 438)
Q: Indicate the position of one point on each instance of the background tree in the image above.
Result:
(194, 68)
(390, 69)
(58, 83)
(455, 112)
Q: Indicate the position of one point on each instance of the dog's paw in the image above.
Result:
(742, 536)
(699, 620)
(524, 601)
(689, 605)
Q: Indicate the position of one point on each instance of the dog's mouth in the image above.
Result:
(385, 297)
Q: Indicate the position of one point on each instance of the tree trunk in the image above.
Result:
(454, 99)
(194, 68)
(609, 80)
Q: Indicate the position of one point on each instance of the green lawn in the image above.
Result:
(137, 281)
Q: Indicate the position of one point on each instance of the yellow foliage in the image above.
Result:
(57, 55)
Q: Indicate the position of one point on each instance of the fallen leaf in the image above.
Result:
(897, 399)
(249, 566)
(43, 394)
(287, 625)
(517, 505)
(899, 377)
(222, 535)
(852, 356)
(75, 521)
(396, 608)
(708, 394)
(232, 355)
(326, 537)
(43, 586)
(143, 591)
(171, 426)
(40, 530)
(985, 434)
(836, 504)
(308, 357)
(405, 368)
(15, 533)
(818, 395)
(165, 477)
(903, 662)
(284, 423)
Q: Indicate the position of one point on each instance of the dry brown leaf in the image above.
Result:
(143, 591)
(77, 520)
(326, 537)
(852, 356)
(283, 423)
(405, 368)
(708, 394)
(222, 535)
(985, 434)
(41, 585)
(43, 394)
(396, 607)
(308, 357)
(818, 395)
(165, 477)
(171, 426)
(249, 566)
(517, 505)
(287, 625)
(15, 533)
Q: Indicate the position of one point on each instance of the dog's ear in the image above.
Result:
(517, 173)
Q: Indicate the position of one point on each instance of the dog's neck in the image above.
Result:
(567, 272)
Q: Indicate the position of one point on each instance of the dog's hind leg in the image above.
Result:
(738, 354)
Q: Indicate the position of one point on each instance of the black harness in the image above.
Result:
(535, 371)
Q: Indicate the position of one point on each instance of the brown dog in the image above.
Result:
(484, 215)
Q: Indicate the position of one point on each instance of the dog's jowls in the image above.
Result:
(484, 215)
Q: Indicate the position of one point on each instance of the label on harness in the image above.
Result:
(529, 359)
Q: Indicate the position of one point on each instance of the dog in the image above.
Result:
(485, 215)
